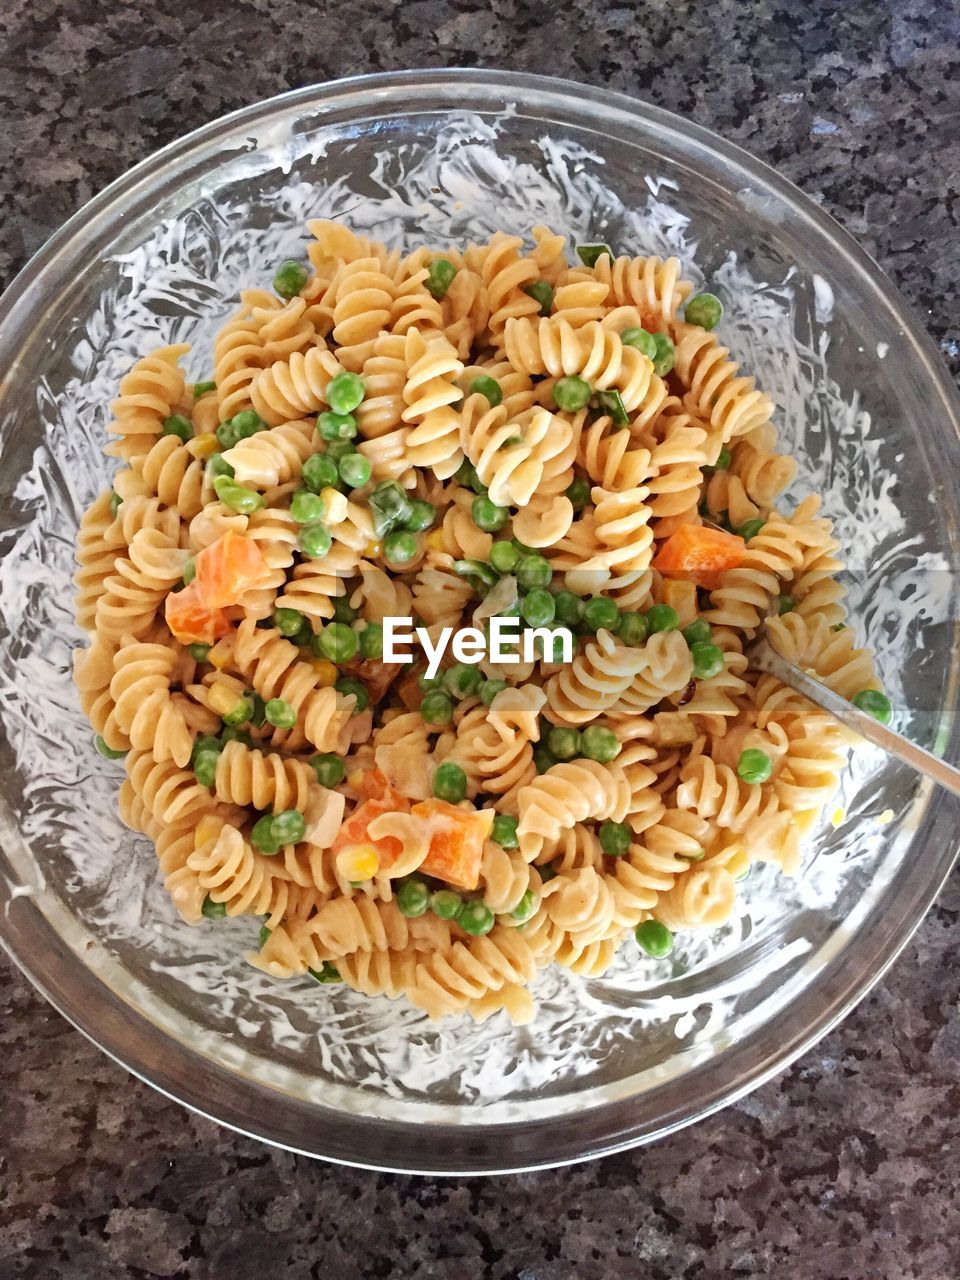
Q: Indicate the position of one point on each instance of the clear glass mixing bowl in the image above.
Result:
(435, 156)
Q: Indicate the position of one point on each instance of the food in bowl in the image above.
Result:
(478, 442)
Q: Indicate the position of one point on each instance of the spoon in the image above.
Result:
(763, 657)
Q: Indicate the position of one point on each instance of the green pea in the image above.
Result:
(705, 309)
(336, 426)
(568, 608)
(600, 613)
(445, 904)
(533, 571)
(504, 831)
(538, 607)
(217, 465)
(327, 975)
(590, 254)
(754, 766)
(288, 621)
(504, 557)
(546, 873)
(578, 491)
(289, 278)
(542, 294)
(552, 650)
(654, 938)
(213, 910)
(461, 680)
(205, 767)
(262, 837)
(543, 758)
(489, 690)
(526, 908)
(240, 713)
(337, 450)
(564, 743)
(319, 472)
(108, 753)
(697, 632)
(307, 507)
(202, 388)
(413, 898)
(400, 547)
(450, 783)
(232, 734)
(427, 684)
(177, 425)
(343, 610)
(422, 516)
(571, 394)
(198, 652)
(465, 474)
(280, 713)
(785, 604)
(875, 704)
(487, 515)
(436, 708)
(707, 660)
(338, 642)
(663, 361)
(440, 276)
(329, 768)
(615, 838)
(226, 435)
(355, 470)
(475, 918)
(750, 529)
(611, 402)
(632, 628)
(348, 685)
(643, 341)
(288, 827)
(371, 641)
(662, 617)
(314, 541)
(488, 387)
(724, 458)
(345, 392)
(205, 742)
(237, 496)
(476, 484)
(600, 744)
(247, 423)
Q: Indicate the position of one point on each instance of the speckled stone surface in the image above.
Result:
(846, 1166)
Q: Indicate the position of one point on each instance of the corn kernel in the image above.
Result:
(373, 549)
(219, 655)
(326, 673)
(837, 817)
(204, 445)
(885, 817)
(359, 863)
(222, 699)
(208, 828)
(435, 540)
(334, 506)
(355, 780)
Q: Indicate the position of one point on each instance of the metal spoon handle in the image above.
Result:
(765, 658)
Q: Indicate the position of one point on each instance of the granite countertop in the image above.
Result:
(846, 1165)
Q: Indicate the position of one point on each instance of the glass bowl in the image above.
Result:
(435, 156)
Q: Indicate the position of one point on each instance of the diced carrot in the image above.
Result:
(355, 832)
(228, 567)
(699, 553)
(191, 619)
(456, 842)
(376, 786)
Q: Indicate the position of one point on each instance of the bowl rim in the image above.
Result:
(211, 1089)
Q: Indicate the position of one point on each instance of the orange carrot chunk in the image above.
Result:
(191, 619)
(456, 842)
(228, 567)
(700, 553)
